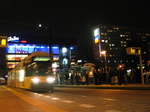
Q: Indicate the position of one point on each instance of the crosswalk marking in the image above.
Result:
(87, 106)
(67, 101)
(55, 98)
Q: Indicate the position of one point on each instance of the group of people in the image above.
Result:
(113, 76)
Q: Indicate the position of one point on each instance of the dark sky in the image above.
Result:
(70, 18)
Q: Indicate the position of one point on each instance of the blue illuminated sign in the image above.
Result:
(13, 39)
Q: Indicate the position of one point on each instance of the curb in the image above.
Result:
(107, 87)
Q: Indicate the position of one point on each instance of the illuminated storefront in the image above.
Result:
(16, 51)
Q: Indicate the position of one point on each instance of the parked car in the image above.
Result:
(2, 81)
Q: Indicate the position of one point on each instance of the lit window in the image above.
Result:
(103, 40)
(106, 41)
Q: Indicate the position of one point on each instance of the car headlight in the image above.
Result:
(35, 80)
(50, 79)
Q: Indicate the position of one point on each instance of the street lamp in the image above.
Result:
(104, 54)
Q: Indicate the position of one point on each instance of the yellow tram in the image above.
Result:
(33, 73)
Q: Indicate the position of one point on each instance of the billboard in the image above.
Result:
(97, 39)
(97, 36)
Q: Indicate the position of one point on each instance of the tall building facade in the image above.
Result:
(114, 40)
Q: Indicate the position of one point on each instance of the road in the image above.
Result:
(100, 100)
(91, 100)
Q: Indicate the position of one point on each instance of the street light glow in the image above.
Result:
(103, 52)
(40, 25)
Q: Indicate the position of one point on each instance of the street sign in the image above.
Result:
(3, 41)
(133, 50)
(136, 51)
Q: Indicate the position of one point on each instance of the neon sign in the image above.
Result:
(13, 39)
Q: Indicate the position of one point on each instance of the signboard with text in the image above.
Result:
(133, 50)
(13, 39)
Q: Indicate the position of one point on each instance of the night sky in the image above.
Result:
(70, 18)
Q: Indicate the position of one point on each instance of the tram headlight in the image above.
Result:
(35, 80)
(50, 79)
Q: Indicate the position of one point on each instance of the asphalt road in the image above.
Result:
(100, 100)
(90, 100)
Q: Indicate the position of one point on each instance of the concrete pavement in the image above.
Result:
(13, 101)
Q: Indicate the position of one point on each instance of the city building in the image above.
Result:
(114, 40)
(18, 48)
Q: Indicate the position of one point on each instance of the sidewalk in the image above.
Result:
(13, 101)
(108, 86)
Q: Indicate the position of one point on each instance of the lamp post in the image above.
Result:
(105, 60)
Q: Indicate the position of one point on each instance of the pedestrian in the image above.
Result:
(119, 74)
(72, 79)
(113, 76)
(77, 78)
(123, 72)
(67, 78)
(132, 76)
(99, 76)
(87, 78)
(95, 76)
(148, 73)
(104, 77)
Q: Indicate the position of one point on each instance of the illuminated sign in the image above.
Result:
(3, 41)
(41, 59)
(97, 39)
(133, 50)
(13, 39)
(23, 41)
(97, 35)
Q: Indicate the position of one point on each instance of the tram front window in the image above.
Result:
(39, 69)
(43, 68)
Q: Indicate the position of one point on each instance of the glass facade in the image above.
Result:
(26, 48)
(15, 52)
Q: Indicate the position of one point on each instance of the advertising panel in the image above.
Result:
(97, 39)
(64, 57)
(97, 36)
